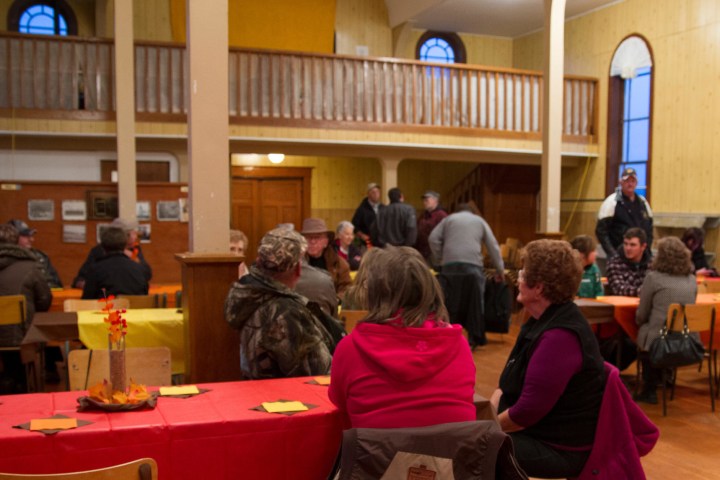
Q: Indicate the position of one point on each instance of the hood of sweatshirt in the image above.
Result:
(408, 353)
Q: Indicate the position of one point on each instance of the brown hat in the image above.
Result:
(280, 250)
(314, 225)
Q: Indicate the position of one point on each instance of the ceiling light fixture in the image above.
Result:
(276, 157)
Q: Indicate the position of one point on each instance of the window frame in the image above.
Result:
(616, 124)
(453, 39)
(18, 7)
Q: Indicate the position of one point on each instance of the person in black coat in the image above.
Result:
(115, 273)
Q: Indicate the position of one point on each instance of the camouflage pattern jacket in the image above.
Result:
(279, 335)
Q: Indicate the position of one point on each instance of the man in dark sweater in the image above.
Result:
(116, 272)
(396, 224)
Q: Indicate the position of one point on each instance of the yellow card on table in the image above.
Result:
(53, 423)
(325, 380)
(279, 407)
(181, 390)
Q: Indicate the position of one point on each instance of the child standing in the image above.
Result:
(591, 285)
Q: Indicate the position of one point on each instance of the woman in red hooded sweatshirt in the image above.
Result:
(404, 365)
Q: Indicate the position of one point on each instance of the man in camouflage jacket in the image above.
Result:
(279, 335)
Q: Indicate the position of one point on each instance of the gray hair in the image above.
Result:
(343, 225)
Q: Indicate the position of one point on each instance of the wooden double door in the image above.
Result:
(263, 197)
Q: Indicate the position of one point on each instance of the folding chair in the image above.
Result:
(142, 469)
(350, 318)
(12, 319)
(76, 304)
(141, 301)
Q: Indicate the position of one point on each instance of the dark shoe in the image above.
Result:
(647, 396)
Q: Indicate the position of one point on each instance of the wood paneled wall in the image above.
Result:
(167, 237)
(362, 22)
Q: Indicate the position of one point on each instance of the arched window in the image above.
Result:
(49, 17)
(440, 47)
(630, 113)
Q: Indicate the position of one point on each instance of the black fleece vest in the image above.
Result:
(573, 419)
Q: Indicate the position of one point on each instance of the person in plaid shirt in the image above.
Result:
(626, 270)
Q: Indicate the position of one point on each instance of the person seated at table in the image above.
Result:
(591, 284)
(238, 241)
(26, 238)
(404, 365)
(115, 273)
(626, 270)
(279, 335)
(670, 280)
(552, 385)
(133, 250)
(693, 238)
(20, 274)
(344, 245)
(322, 255)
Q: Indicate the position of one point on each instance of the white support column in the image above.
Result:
(125, 109)
(552, 116)
(389, 174)
(208, 144)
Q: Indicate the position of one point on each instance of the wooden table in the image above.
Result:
(215, 435)
(62, 294)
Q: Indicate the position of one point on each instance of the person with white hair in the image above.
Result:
(344, 246)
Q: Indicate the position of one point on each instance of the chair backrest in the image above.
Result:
(700, 318)
(674, 317)
(711, 286)
(141, 301)
(350, 318)
(141, 469)
(12, 310)
(76, 304)
(451, 450)
(149, 366)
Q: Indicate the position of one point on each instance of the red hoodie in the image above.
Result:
(389, 376)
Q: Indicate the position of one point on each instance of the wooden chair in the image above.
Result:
(675, 311)
(711, 287)
(141, 301)
(142, 469)
(76, 304)
(701, 319)
(149, 366)
(350, 318)
(12, 314)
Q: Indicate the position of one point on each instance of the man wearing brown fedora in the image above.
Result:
(320, 255)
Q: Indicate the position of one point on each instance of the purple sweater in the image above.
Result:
(547, 375)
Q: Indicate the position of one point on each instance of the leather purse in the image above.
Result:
(676, 349)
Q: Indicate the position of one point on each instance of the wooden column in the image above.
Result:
(552, 116)
(212, 347)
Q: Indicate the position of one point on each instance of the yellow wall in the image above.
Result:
(683, 36)
(306, 26)
(362, 23)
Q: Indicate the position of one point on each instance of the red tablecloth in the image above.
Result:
(214, 435)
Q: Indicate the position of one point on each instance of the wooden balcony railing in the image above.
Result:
(70, 74)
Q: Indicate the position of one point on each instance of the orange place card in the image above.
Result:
(280, 407)
(53, 423)
(181, 390)
(325, 380)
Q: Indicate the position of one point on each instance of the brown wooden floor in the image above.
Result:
(689, 445)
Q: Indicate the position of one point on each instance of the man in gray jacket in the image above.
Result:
(457, 241)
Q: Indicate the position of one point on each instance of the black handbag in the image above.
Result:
(676, 349)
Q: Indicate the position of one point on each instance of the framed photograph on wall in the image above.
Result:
(41, 210)
(100, 228)
(142, 211)
(144, 230)
(102, 205)
(168, 211)
(74, 233)
(74, 210)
